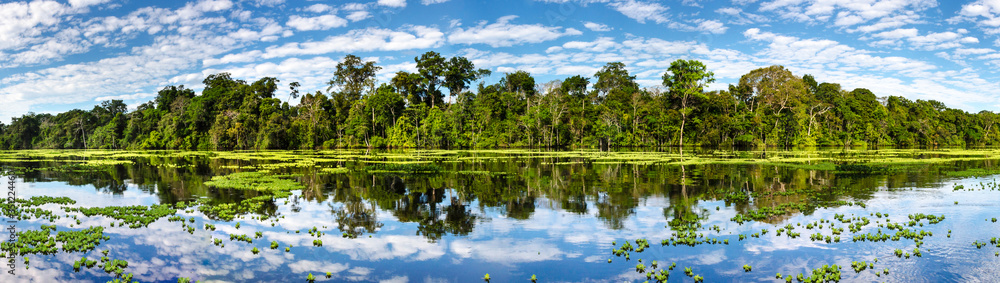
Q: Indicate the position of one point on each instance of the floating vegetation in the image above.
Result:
(135, 216)
(41, 241)
(859, 168)
(335, 170)
(253, 181)
(241, 237)
(404, 168)
(827, 273)
(24, 209)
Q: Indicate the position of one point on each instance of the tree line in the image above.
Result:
(768, 107)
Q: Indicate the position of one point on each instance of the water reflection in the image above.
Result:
(553, 217)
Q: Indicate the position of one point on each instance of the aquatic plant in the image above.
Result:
(135, 216)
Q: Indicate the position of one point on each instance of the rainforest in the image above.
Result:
(447, 105)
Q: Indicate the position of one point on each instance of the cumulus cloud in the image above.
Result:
(318, 8)
(323, 22)
(370, 39)
(641, 11)
(844, 13)
(393, 3)
(596, 27)
(504, 33)
(181, 38)
(985, 13)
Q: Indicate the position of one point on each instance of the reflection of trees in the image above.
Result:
(683, 212)
(613, 209)
(575, 204)
(446, 203)
(422, 208)
(356, 218)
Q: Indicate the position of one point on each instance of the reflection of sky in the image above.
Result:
(554, 244)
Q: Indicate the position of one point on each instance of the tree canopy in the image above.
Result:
(769, 106)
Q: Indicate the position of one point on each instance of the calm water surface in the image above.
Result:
(512, 216)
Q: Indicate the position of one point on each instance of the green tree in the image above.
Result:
(354, 77)
(686, 80)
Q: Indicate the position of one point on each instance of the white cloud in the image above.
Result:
(973, 51)
(393, 3)
(268, 3)
(897, 33)
(504, 251)
(354, 6)
(370, 39)
(233, 58)
(641, 11)
(711, 26)
(21, 23)
(941, 40)
(986, 14)
(737, 16)
(431, 2)
(319, 8)
(305, 266)
(503, 33)
(848, 12)
(601, 44)
(323, 22)
(885, 75)
(897, 21)
(787, 50)
(181, 39)
(358, 15)
(596, 27)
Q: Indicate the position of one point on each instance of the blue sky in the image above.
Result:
(59, 55)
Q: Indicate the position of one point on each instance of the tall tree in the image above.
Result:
(431, 67)
(614, 76)
(686, 80)
(459, 73)
(354, 77)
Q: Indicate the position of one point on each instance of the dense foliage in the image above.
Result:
(768, 107)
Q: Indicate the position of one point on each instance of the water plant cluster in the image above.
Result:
(26, 209)
(404, 168)
(42, 242)
(135, 216)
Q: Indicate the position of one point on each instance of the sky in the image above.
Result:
(61, 55)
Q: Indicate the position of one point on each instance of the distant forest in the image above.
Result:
(768, 107)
